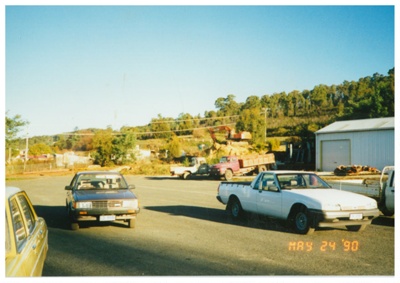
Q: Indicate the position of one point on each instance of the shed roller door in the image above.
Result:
(335, 153)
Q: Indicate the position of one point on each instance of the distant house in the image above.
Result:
(356, 142)
(69, 159)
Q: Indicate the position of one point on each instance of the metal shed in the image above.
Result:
(356, 142)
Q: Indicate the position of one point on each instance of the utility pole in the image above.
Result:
(265, 124)
(26, 152)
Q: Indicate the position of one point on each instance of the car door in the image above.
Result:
(389, 193)
(30, 238)
(269, 197)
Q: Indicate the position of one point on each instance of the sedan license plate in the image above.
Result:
(107, 217)
(356, 216)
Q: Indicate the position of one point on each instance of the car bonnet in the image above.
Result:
(82, 195)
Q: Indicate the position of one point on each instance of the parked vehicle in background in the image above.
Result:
(26, 236)
(382, 191)
(101, 196)
(230, 166)
(198, 166)
(301, 198)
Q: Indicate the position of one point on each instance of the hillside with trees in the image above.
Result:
(295, 116)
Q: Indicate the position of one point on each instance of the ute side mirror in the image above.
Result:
(131, 187)
(68, 188)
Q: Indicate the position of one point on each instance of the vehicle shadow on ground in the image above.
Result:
(56, 217)
(222, 216)
(384, 221)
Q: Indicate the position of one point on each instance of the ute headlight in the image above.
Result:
(130, 203)
(86, 204)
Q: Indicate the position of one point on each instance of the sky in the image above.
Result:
(79, 67)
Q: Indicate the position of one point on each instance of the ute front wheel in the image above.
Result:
(302, 222)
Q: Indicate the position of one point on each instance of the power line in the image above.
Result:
(193, 119)
(147, 133)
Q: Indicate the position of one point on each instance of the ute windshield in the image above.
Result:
(301, 181)
(100, 182)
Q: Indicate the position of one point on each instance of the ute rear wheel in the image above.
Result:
(235, 208)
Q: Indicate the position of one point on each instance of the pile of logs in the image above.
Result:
(344, 170)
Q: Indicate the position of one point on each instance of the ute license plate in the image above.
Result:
(356, 216)
(107, 217)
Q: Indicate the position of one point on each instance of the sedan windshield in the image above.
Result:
(301, 181)
(100, 182)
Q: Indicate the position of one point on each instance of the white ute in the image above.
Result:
(302, 198)
(198, 165)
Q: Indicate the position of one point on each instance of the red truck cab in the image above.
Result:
(227, 165)
(231, 165)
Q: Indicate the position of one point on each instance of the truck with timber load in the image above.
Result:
(231, 165)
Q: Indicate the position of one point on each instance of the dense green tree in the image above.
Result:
(174, 147)
(370, 97)
(84, 141)
(39, 149)
(295, 102)
(185, 124)
(13, 126)
(252, 120)
(306, 94)
(103, 146)
(252, 102)
(283, 104)
(122, 147)
(162, 127)
(319, 97)
(227, 106)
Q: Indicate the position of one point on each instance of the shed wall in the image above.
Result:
(373, 148)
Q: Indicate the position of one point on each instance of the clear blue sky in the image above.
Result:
(84, 67)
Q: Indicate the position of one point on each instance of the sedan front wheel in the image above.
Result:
(132, 223)
(74, 226)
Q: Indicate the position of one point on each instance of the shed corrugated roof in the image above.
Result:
(359, 125)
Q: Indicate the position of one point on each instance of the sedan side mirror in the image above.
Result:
(131, 187)
(68, 188)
